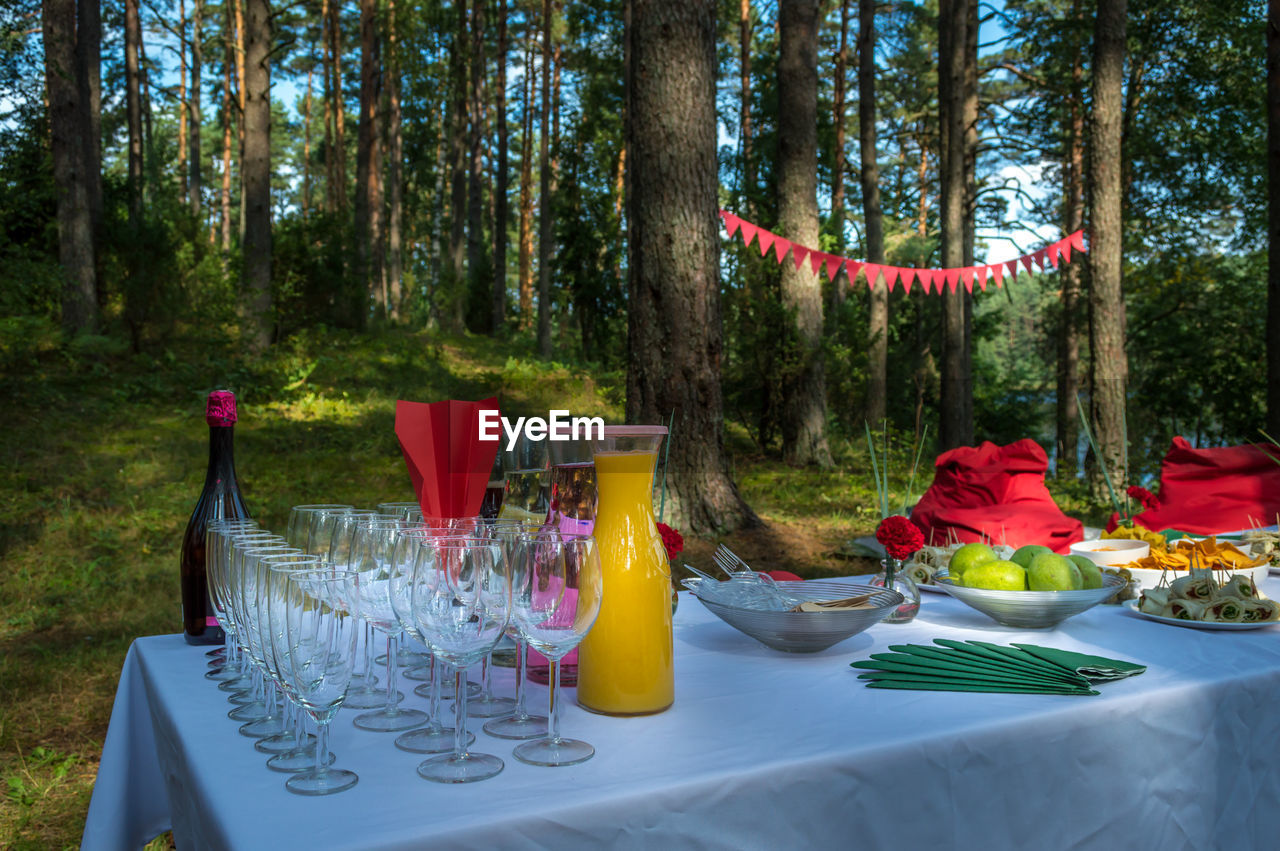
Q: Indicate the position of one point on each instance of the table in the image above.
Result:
(761, 750)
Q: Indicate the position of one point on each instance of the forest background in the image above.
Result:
(327, 205)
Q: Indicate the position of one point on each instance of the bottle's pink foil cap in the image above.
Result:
(220, 410)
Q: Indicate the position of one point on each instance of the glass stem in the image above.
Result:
(460, 713)
(554, 733)
(521, 656)
(437, 686)
(322, 746)
(486, 693)
(391, 673)
(368, 657)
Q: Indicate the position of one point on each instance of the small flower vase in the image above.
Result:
(895, 578)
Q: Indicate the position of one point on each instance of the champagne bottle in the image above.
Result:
(220, 499)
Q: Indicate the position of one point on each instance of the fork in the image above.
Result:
(729, 562)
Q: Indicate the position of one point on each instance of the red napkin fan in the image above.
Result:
(448, 462)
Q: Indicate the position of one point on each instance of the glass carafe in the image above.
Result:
(626, 664)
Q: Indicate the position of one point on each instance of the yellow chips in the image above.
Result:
(1205, 553)
(1138, 533)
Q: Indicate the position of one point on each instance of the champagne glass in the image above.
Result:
(229, 667)
(434, 737)
(556, 588)
(270, 723)
(250, 706)
(319, 642)
(300, 521)
(330, 534)
(372, 549)
(460, 598)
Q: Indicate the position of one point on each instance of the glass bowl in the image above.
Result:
(1031, 609)
(809, 632)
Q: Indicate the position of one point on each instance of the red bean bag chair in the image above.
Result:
(1224, 489)
(995, 494)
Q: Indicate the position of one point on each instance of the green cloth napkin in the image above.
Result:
(1094, 668)
(980, 666)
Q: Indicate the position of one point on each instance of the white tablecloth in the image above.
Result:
(761, 750)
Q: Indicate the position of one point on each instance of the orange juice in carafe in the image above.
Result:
(626, 664)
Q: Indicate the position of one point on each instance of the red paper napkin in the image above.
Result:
(447, 461)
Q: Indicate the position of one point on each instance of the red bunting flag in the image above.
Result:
(731, 222)
(766, 240)
(966, 275)
(980, 275)
(997, 272)
(907, 276)
(1012, 266)
(952, 277)
(1039, 258)
(799, 254)
(1077, 241)
(816, 261)
(833, 266)
(872, 271)
(852, 268)
(749, 232)
(926, 279)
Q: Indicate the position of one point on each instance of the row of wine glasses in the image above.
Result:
(457, 586)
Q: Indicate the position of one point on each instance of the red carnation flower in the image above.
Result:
(1145, 497)
(672, 540)
(900, 536)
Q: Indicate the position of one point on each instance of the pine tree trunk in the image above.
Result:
(368, 198)
(1273, 241)
(306, 146)
(339, 107)
(475, 164)
(744, 115)
(525, 259)
(1068, 379)
(133, 109)
(195, 184)
(183, 105)
(256, 172)
(241, 83)
(457, 268)
(500, 206)
(1106, 294)
(88, 54)
(395, 174)
(228, 70)
(838, 167)
(878, 321)
(804, 439)
(955, 428)
(546, 236)
(69, 127)
(674, 311)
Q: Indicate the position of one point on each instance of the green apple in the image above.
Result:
(970, 555)
(996, 576)
(1091, 573)
(1052, 572)
(1023, 555)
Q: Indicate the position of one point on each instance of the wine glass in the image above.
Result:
(318, 608)
(228, 667)
(269, 723)
(300, 521)
(555, 598)
(250, 705)
(372, 548)
(434, 737)
(330, 534)
(460, 598)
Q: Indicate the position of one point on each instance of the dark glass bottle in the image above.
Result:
(220, 499)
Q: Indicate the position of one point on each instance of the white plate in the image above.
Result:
(1132, 606)
(934, 589)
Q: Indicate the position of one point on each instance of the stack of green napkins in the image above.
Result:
(982, 666)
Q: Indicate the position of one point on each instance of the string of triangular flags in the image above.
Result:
(932, 280)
